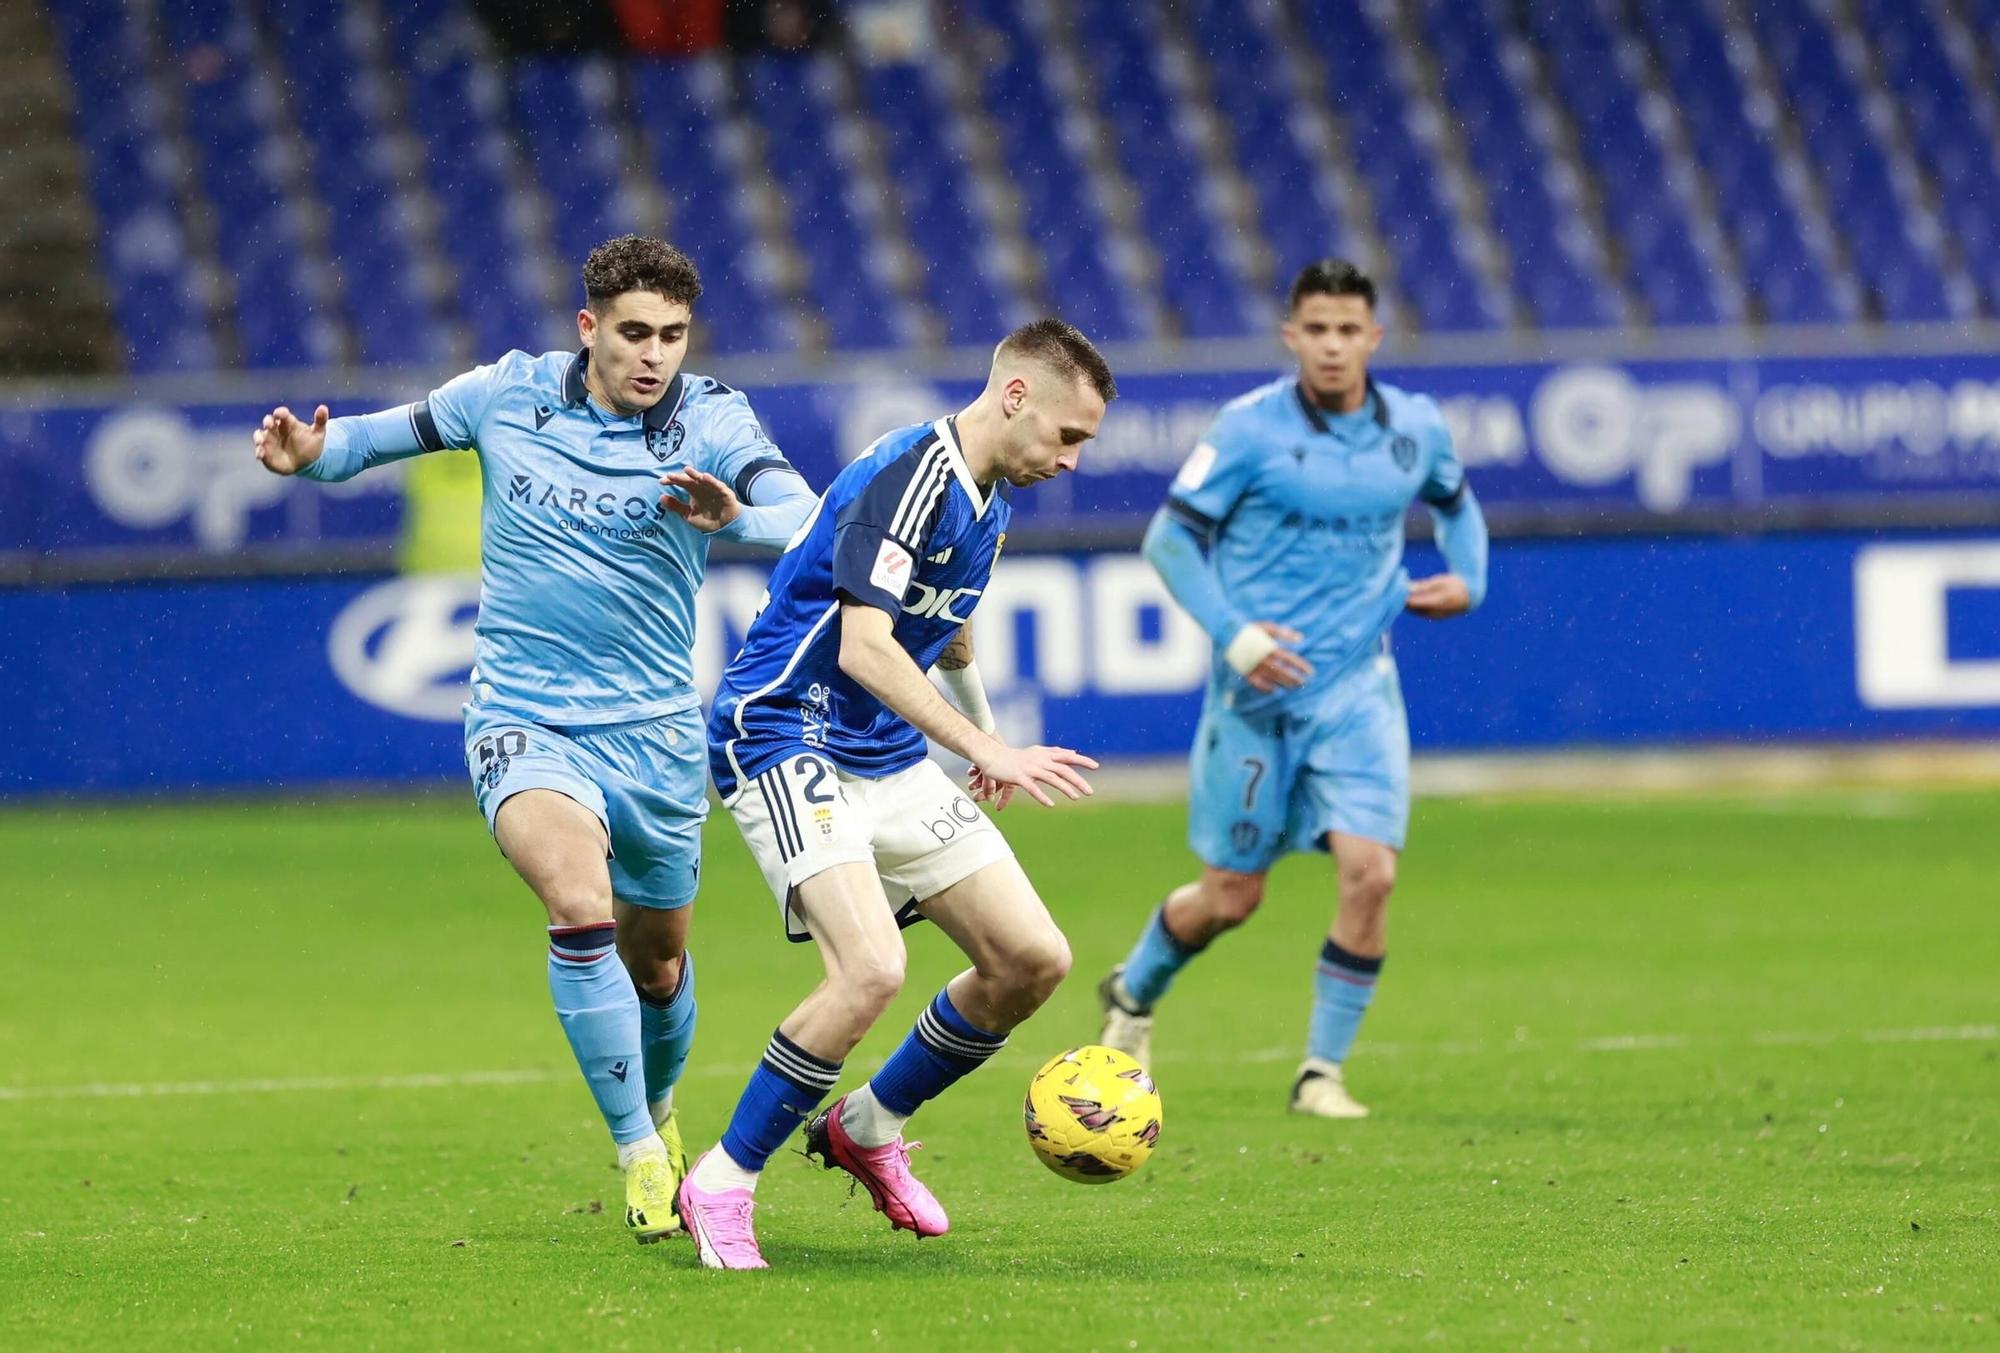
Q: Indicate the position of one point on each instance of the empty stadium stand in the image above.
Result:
(289, 183)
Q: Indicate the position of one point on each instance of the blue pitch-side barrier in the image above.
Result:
(168, 686)
(1630, 439)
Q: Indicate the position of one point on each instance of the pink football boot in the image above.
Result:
(883, 1170)
(721, 1225)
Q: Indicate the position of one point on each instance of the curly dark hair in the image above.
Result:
(1332, 277)
(1063, 347)
(640, 263)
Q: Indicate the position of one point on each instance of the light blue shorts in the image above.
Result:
(1264, 787)
(647, 782)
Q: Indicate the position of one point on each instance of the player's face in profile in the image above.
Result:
(637, 342)
(1056, 418)
(1333, 338)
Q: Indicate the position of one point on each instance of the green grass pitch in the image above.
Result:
(1648, 1073)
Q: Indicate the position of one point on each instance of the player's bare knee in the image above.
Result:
(576, 901)
(1232, 898)
(657, 975)
(1041, 967)
(871, 982)
(1365, 883)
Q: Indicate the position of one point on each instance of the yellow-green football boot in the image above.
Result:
(651, 1184)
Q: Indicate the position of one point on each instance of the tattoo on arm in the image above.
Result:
(958, 653)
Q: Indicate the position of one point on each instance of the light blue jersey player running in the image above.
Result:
(1283, 537)
(817, 746)
(583, 733)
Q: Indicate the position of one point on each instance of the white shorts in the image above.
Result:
(921, 832)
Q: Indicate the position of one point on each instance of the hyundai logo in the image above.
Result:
(406, 646)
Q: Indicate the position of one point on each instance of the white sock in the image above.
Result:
(864, 1119)
(662, 1108)
(629, 1152)
(718, 1172)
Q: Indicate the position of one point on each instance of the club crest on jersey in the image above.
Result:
(673, 436)
(1404, 449)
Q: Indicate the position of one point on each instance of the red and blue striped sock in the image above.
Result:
(1343, 986)
(599, 1009)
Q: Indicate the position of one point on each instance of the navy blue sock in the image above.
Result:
(942, 1047)
(1343, 986)
(786, 1086)
(599, 1009)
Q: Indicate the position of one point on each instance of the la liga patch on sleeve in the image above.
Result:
(1199, 462)
(892, 569)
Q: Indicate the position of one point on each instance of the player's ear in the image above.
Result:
(586, 325)
(1014, 395)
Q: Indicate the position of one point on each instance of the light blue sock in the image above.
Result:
(599, 1010)
(667, 1032)
(943, 1047)
(786, 1086)
(1154, 960)
(1343, 986)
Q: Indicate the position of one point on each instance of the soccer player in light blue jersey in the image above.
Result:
(1283, 537)
(817, 747)
(583, 733)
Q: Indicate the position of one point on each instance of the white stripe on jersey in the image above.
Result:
(784, 675)
(925, 488)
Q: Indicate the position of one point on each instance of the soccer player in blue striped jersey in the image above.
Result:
(1283, 537)
(817, 747)
(583, 733)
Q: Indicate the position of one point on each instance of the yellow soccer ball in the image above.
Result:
(1093, 1114)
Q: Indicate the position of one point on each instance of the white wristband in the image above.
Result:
(1251, 646)
(968, 692)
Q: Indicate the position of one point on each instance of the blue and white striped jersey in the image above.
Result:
(905, 529)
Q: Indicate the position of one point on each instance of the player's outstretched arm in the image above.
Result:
(343, 448)
(284, 445)
(870, 655)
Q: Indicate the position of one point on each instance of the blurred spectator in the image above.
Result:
(776, 25)
(537, 26)
(669, 27)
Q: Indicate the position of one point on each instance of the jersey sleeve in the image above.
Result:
(882, 532)
(1444, 482)
(1213, 479)
(734, 448)
(449, 419)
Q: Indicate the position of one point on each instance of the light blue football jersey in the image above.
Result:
(587, 584)
(905, 529)
(1302, 511)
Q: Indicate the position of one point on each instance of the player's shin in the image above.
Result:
(667, 1033)
(1343, 985)
(787, 1085)
(939, 1050)
(599, 1010)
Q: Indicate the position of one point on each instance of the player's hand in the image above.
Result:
(285, 445)
(1439, 597)
(709, 505)
(1279, 668)
(985, 789)
(1029, 768)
